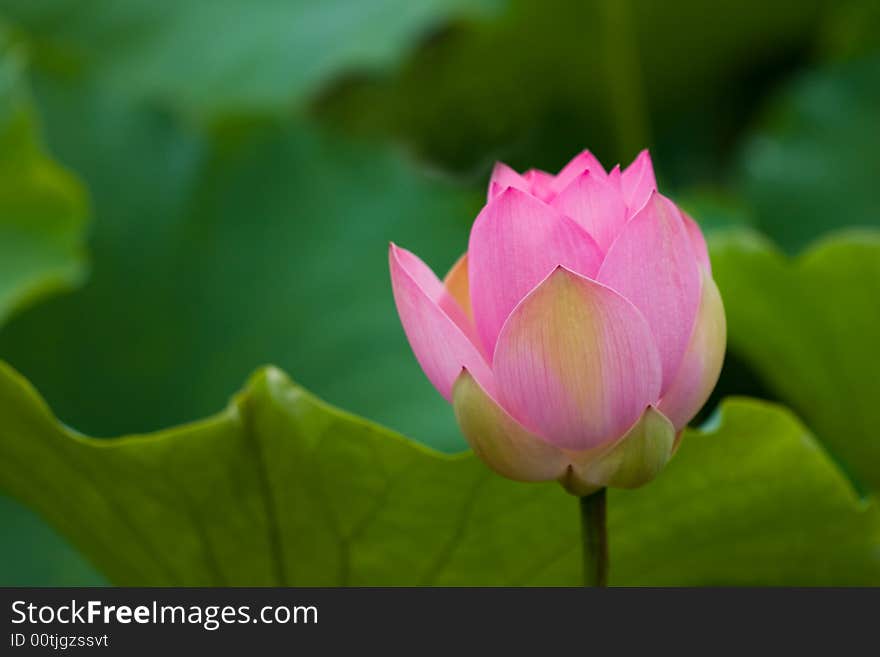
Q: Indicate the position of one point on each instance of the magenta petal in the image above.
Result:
(698, 242)
(494, 190)
(638, 181)
(440, 344)
(583, 161)
(456, 284)
(502, 178)
(515, 242)
(540, 184)
(652, 264)
(614, 179)
(435, 290)
(576, 362)
(701, 365)
(592, 202)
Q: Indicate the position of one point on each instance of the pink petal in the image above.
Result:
(500, 441)
(540, 184)
(494, 190)
(637, 182)
(515, 242)
(652, 264)
(701, 366)
(615, 179)
(583, 161)
(503, 177)
(456, 284)
(592, 202)
(576, 362)
(698, 242)
(435, 290)
(435, 333)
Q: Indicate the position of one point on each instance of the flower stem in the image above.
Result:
(594, 537)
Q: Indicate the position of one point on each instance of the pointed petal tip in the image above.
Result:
(500, 193)
(562, 269)
(501, 166)
(494, 190)
(631, 462)
(584, 175)
(575, 485)
(394, 257)
(642, 155)
(637, 162)
(437, 332)
(561, 272)
(564, 361)
(504, 176)
(398, 252)
(638, 180)
(515, 242)
(596, 204)
(464, 378)
(583, 161)
(510, 193)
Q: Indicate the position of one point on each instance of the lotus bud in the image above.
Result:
(579, 333)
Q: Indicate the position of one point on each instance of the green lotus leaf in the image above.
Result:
(809, 326)
(281, 488)
(43, 207)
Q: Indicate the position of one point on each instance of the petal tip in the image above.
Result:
(500, 166)
(394, 250)
(633, 461)
(564, 361)
(510, 192)
(561, 273)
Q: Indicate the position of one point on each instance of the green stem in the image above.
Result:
(594, 537)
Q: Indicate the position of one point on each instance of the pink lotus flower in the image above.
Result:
(580, 332)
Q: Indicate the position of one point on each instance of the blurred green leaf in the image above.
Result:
(262, 243)
(810, 327)
(283, 489)
(33, 554)
(548, 78)
(43, 208)
(43, 212)
(207, 57)
(715, 210)
(853, 30)
(813, 166)
(751, 499)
